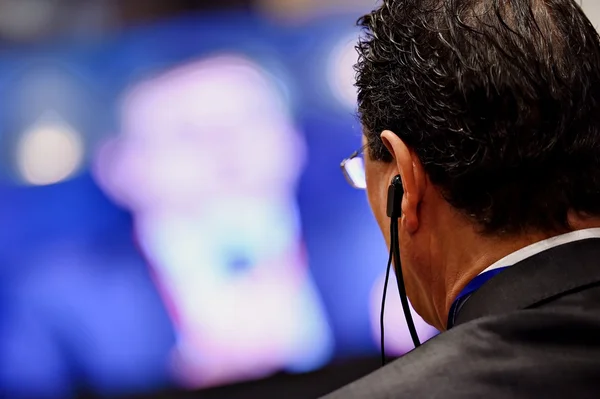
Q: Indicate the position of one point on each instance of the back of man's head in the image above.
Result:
(499, 99)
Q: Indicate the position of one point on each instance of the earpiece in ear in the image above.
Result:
(394, 199)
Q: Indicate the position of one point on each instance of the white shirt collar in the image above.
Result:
(541, 246)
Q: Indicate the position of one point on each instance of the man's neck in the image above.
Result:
(468, 254)
(463, 266)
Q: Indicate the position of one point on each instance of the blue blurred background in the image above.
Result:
(173, 213)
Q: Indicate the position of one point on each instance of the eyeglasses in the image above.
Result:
(353, 168)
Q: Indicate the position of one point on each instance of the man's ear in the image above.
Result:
(413, 176)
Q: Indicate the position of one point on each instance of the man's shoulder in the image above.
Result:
(413, 374)
(532, 352)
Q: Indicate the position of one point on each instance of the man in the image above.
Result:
(488, 110)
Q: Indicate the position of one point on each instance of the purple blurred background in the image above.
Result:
(173, 213)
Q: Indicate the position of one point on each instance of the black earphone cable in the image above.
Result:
(401, 288)
(395, 256)
(381, 318)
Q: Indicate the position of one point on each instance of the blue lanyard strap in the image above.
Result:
(464, 295)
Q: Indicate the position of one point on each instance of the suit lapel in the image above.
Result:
(535, 280)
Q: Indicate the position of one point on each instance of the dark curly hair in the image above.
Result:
(499, 99)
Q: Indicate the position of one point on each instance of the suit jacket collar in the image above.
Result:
(552, 273)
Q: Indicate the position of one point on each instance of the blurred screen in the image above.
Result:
(174, 213)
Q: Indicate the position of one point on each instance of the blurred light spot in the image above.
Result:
(340, 71)
(304, 9)
(25, 19)
(193, 134)
(49, 152)
(196, 142)
(592, 10)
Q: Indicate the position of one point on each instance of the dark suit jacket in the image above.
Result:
(533, 331)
